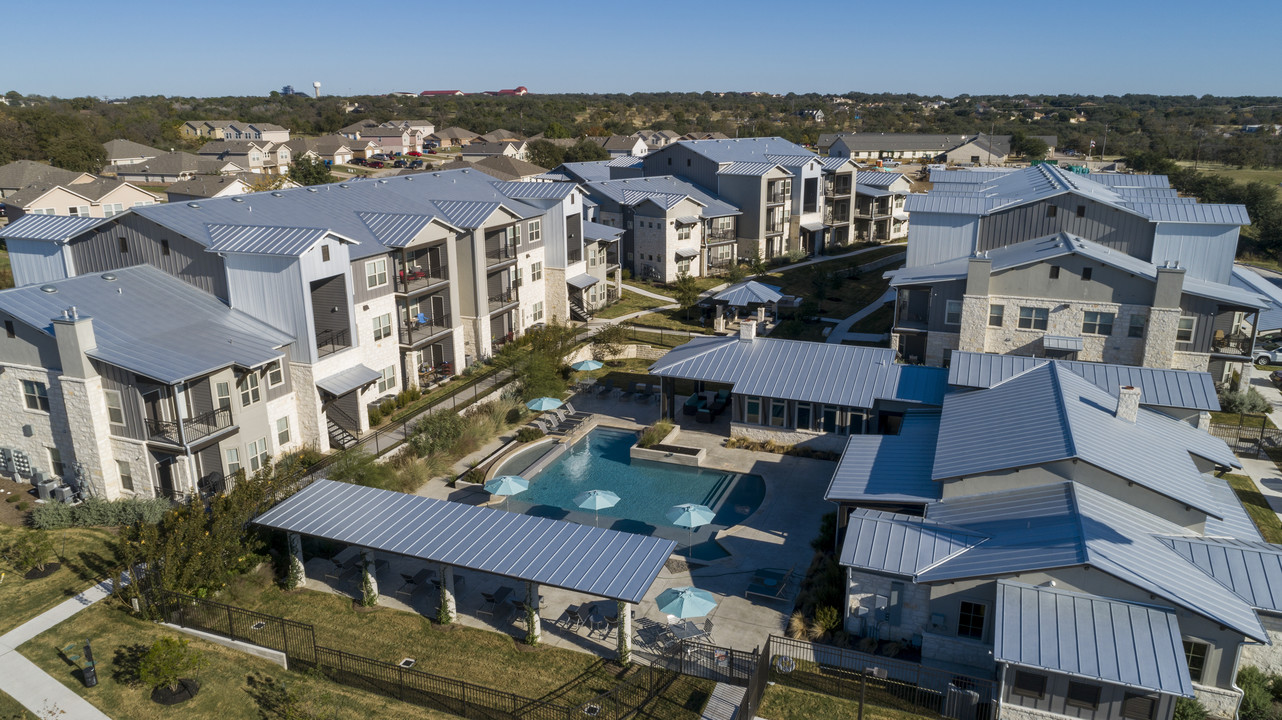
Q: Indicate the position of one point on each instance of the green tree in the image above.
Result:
(77, 151)
(735, 273)
(686, 292)
(544, 153)
(310, 170)
(586, 150)
(609, 341)
(757, 265)
(168, 660)
(33, 550)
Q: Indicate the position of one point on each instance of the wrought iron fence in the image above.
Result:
(1249, 436)
(192, 428)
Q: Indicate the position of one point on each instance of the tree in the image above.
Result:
(757, 265)
(586, 150)
(267, 182)
(609, 342)
(544, 153)
(33, 550)
(310, 170)
(735, 274)
(77, 151)
(168, 660)
(686, 292)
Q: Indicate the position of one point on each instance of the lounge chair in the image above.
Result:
(626, 395)
(720, 402)
(771, 584)
(647, 394)
(693, 404)
(605, 387)
(575, 414)
(703, 415)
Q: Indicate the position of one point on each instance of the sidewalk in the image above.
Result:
(842, 331)
(1262, 471)
(28, 684)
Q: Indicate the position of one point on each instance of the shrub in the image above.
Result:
(474, 476)
(167, 661)
(387, 407)
(528, 434)
(828, 618)
(358, 466)
(437, 432)
(1250, 401)
(654, 434)
(868, 645)
(796, 255)
(1257, 697)
(402, 398)
(1189, 709)
(23, 506)
(797, 626)
(13, 498)
(33, 550)
(375, 416)
(891, 649)
(96, 512)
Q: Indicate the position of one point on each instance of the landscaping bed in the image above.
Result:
(785, 703)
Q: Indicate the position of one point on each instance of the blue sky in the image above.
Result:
(992, 46)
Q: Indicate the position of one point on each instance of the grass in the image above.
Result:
(784, 703)
(846, 298)
(1271, 176)
(631, 302)
(225, 694)
(1257, 506)
(798, 329)
(11, 709)
(161, 190)
(878, 322)
(6, 272)
(1246, 421)
(86, 556)
(674, 319)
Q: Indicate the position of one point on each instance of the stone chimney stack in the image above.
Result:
(747, 331)
(75, 336)
(1128, 403)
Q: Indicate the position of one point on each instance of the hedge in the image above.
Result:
(96, 512)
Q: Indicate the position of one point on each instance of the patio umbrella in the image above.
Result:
(685, 602)
(543, 404)
(595, 500)
(506, 485)
(584, 365)
(690, 515)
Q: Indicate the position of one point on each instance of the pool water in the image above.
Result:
(646, 490)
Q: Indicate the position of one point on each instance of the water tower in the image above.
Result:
(317, 86)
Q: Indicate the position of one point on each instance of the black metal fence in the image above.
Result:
(710, 662)
(1248, 436)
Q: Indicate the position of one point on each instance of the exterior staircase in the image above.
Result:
(578, 312)
(339, 435)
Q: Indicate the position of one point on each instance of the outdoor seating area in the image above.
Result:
(707, 406)
(772, 584)
(562, 420)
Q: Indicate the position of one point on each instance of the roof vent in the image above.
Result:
(382, 182)
(238, 199)
(312, 190)
(109, 277)
(408, 178)
(48, 289)
(278, 194)
(194, 205)
(344, 185)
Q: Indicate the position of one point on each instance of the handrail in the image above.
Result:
(193, 428)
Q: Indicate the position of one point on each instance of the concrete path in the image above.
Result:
(646, 293)
(842, 331)
(1263, 471)
(34, 688)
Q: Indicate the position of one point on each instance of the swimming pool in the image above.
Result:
(646, 490)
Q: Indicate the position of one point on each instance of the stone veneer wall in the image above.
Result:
(1017, 712)
(310, 416)
(937, 343)
(1219, 702)
(135, 453)
(862, 590)
(761, 433)
(1159, 335)
(558, 308)
(1190, 361)
(1266, 657)
(89, 428)
(1064, 321)
(47, 429)
(949, 649)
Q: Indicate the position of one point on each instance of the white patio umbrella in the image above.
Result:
(596, 500)
(690, 515)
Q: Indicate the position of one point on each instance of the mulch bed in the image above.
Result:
(9, 513)
(187, 689)
(48, 570)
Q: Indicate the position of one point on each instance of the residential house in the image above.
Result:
(254, 156)
(441, 93)
(655, 139)
(200, 187)
(453, 137)
(500, 167)
(980, 149)
(670, 226)
(701, 135)
(478, 150)
(210, 129)
(128, 152)
(21, 173)
(234, 130)
(812, 115)
(501, 135)
(395, 140)
(330, 149)
(176, 166)
(100, 198)
(621, 145)
(878, 213)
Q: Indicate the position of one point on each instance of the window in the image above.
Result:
(996, 313)
(9, 329)
(112, 209)
(952, 312)
(1184, 332)
(536, 272)
(1097, 323)
(1086, 273)
(1195, 653)
(126, 475)
(249, 389)
(55, 462)
(1082, 695)
(164, 247)
(388, 380)
(536, 312)
(1033, 318)
(124, 246)
(233, 461)
(1029, 684)
(536, 230)
(115, 407)
(258, 455)
(324, 253)
(970, 622)
(275, 374)
(1054, 272)
(81, 211)
(1081, 211)
(830, 418)
(516, 234)
(1051, 211)
(36, 395)
(683, 232)
(1138, 707)
(752, 411)
(778, 408)
(222, 395)
(683, 266)
(382, 326)
(1136, 329)
(376, 273)
(805, 415)
(282, 432)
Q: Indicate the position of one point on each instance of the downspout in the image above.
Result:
(1001, 685)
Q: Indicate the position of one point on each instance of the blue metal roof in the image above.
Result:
(600, 562)
(597, 231)
(468, 214)
(586, 171)
(878, 179)
(832, 164)
(396, 230)
(953, 205)
(261, 240)
(753, 149)
(903, 545)
(1122, 180)
(1062, 342)
(1159, 386)
(1251, 569)
(1205, 213)
(667, 201)
(618, 191)
(1138, 646)
(48, 228)
(348, 379)
(755, 169)
(1247, 279)
(890, 468)
(535, 190)
(967, 176)
(627, 161)
(1049, 414)
(1235, 523)
(151, 323)
(749, 292)
(843, 375)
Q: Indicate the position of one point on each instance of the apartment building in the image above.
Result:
(253, 155)
(878, 214)
(234, 130)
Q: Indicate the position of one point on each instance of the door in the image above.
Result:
(165, 478)
(438, 310)
(434, 261)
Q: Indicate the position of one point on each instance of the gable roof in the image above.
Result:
(263, 240)
(21, 173)
(117, 149)
(206, 186)
(592, 171)
(748, 292)
(749, 150)
(1251, 569)
(667, 188)
(890, 468)
(176, 163)
(48, 228)
(902, 545)
(1251, 281)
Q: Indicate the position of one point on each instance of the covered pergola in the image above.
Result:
(750, 295)
(537, 551)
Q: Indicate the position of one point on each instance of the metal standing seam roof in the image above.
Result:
(583, 281)
(468, 214)
(49, 228)
(1205, 213)
(687, 220)
(1236, 524)
(535, 190)
(667, 201)
(1124, 180)
(1137, 646)
(756, 169)
(593, 171)
(878, 179)
(597, 231)
(845, 375)
(616, 191)
(832, 164)
(901, 544)
(687, 252)
(627, 161)
(1061, 342)
(151, 323)
(1158, 386)
(348, 379)
(1049, 414)
(953, 205)
(747, 293)
(397, 230)
(599, 562)
(1251, 569)
(260, 240)
(1251, 281)
(890, 468)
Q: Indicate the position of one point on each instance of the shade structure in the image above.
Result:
(584, 365)
(506, 485)
(690, 515)
(595, 500)
(685, 602)
(544, 403)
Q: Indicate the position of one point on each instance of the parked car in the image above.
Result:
(374, 164)
(357, 161)
(381, 156)
(414, 153)
(399, 164)
(1268, 354)
(431, 152)
(416, 164)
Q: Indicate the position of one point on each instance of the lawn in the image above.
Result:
(1246, 421)
(86, 556)
(1243, 175)
(11, 709)
(673, 319)
(1257, 506)
(785, 703)
(161, 190)
(845, 296)
(878, 322)
(631, 302)
(656, 338)
(226, 690)
(798, 329)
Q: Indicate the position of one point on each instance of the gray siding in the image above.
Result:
(1206, 251)
(330, 305)
(679, 160)
(1204, 310)
(200, 396)
(936, 237)
(29, 347)
(271, 289)
(553, 226)
(1105, 225)
(1111, 697)
(1107, 284)
(122, 381)
(361, 291)
(939, 296)
(35, 262)
(187, 260)
(748, 194)
(284, 388)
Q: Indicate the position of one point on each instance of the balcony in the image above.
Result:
(413, 276)
(840, 215)
(834, 190)
(499, 254)
(776, 198)
(329, 342)
(775, 227)
(1236, 344)
(502, 299)
(193, 429)
(718, 236)
(414, 332)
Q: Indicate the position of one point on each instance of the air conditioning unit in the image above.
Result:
(39, 477)
(64, 494)
(960, 704)
(45, 489)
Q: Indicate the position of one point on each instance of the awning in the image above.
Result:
(345, 381)
(812, 226)
(687, 252)
(1060, 342)
(583, 281)
(900, 216)
(687, 220)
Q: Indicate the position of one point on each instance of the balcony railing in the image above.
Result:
(329, 342)
(503, 297)
(193, 428)
(775, 227)
(1234, 344)
(500, 254)
(721, 235)
(836, 190)
(414, 331)
(413, 276)
(775, 198)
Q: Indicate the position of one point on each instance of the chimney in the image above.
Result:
(1128, 403)
(74, 335)
(747, 331)
(1170, 285)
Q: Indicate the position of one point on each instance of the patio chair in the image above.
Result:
(647, 394)
(573, 618)
(770, 584)
(707, 629)
(605, 387)
(693, 404)
(703, 415)
(720, 402)
(626, 395)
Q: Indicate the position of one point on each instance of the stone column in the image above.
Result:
(367, 563)
(296, 559)
(535, 630)
(449, 608)
(625, 632)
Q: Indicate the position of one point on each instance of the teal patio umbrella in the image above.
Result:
(685, 602)
(596, 500)
(543, 404)
(585, 365)
(690, 515)
(506, 485)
